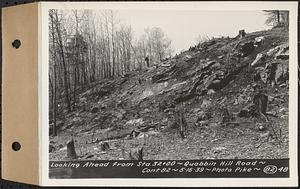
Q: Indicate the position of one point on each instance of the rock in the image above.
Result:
(282, 55)
(166, 84)
(211, 91)
(88, 156)
(187, 57)
(224, 100)
(103, 106)
(221, 57)
(135, 122)
(59, 124)
(95, 110)
(134, 133)
(136, 154)
(219, 149)
(83, 100)
(205, 103)
(146, 110)
(216, 81)
(51, 148)
(279, 52)
(259, 41)
(104, 146)
(283, 52)
(164, 75)
(247, 111)
(142, 135)
(196, 110)
(259, 60)
(277, 72)
(266, 134)
(69, 126)
(147, 93)
(165, 65)
(207, 65)
(239, 100)
(272, 51)
(283, 85)
(119, 115)
(283, 110)
(201, 116)
(281, 73)
(216, 65)
(246, 48)
(261, 127)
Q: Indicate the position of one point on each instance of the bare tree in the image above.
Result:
(276, 17)
(87, 46)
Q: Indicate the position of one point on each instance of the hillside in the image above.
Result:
(196, 105)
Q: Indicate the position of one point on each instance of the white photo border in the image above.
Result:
(44, 7)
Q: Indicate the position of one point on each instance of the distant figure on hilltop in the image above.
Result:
(147, 61)
(242, 34)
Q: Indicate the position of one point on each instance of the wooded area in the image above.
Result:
(88, 45)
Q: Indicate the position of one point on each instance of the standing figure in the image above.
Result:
(147, 61)
(242, 34)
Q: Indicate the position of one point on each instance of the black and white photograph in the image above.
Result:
(168, 85)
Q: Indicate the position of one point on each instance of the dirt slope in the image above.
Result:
(197, 105)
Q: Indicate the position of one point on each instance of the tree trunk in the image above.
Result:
(64, 64)
(54, 103)
(261, 102)
(71, 153)
(278, 16)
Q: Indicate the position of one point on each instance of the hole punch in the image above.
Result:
(16, 43)
(16, 146)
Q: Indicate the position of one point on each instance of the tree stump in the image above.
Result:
(182, 127)
(71, 153)
(136, 154)
(261, 102)
(242, 34)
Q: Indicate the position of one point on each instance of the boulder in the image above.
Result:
(136, 154)
(259, 41)
(282, 55)
(283, 52)
(281, 73)
(207, 65)
(248, 111)
(95, 110)
(201, 116)
(211, 91)
(279, 52)
(187, 57)
(277, 72)
(51, 148)
(246, 48)
(259, 60)
(205, 103)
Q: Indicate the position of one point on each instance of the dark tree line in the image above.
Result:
(86, 46)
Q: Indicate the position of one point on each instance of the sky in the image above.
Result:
(183, 27)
